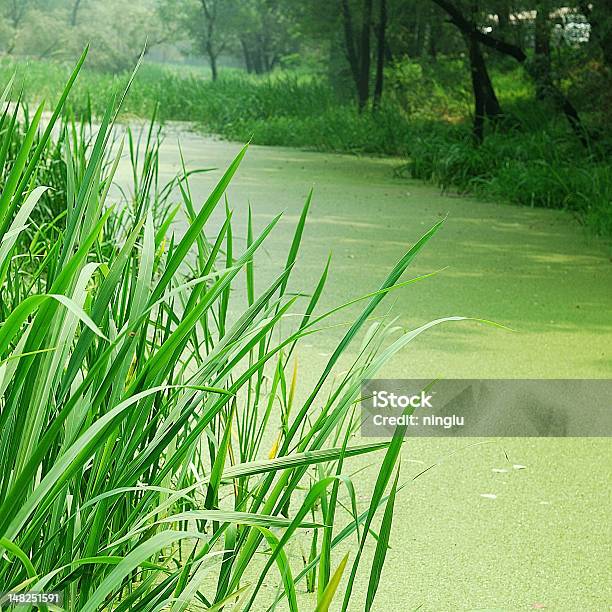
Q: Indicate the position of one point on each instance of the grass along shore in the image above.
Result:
(532, 160)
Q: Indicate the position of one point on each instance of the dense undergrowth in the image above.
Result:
(157, 449)
(531, 159)
(541, 169)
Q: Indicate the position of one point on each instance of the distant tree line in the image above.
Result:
(361, 38)
(354, 42)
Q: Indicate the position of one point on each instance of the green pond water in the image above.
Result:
(544, 539)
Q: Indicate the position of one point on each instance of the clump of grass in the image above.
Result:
(288, 110)
(152, 443)
(49, 170)
(539, 169)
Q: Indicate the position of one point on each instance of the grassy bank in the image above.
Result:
(532, 159)
(538, 169)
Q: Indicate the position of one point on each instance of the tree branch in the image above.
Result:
(207, 12)
(471, 30)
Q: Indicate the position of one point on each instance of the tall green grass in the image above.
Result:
(49, 170)
(532, 159)
(287, 110)
(536, 169)
(155, 449)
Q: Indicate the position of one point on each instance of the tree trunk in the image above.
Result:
(542, 64)
(388, 52)
(349, 41)
(359, 59)
(380, 55)
(478, 126)
(248, 62)
(558, 97)
(435, 30)
(263, 43)
(364, 55)
(212, 60)
(213, 68)
(258, 66)
(74, 13)
(503, 17)
(492, 108)
(486, 104)
(420, 32)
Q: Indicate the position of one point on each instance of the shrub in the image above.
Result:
(540, 169)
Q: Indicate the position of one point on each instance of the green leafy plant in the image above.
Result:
(154, 454)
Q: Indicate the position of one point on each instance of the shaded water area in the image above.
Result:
(536, 536)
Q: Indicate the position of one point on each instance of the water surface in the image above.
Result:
(541, 533)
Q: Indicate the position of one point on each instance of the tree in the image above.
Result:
(265, 33)
(13, 13)
(211, 42)
(486, 104)
(358, 50)
(349, 41)
(116, 31)
(470, 29)
(211, 25)
(74, 12)
(380, 54)
(541, 48)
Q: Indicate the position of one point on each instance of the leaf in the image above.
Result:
(131, 561)
(332, 587)
(381, 545)
(18, 316)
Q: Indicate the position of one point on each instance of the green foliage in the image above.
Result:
(116, 30)
(430, 90)
(139, 397)
(532, 159)
(540, 168)
(49, 170)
